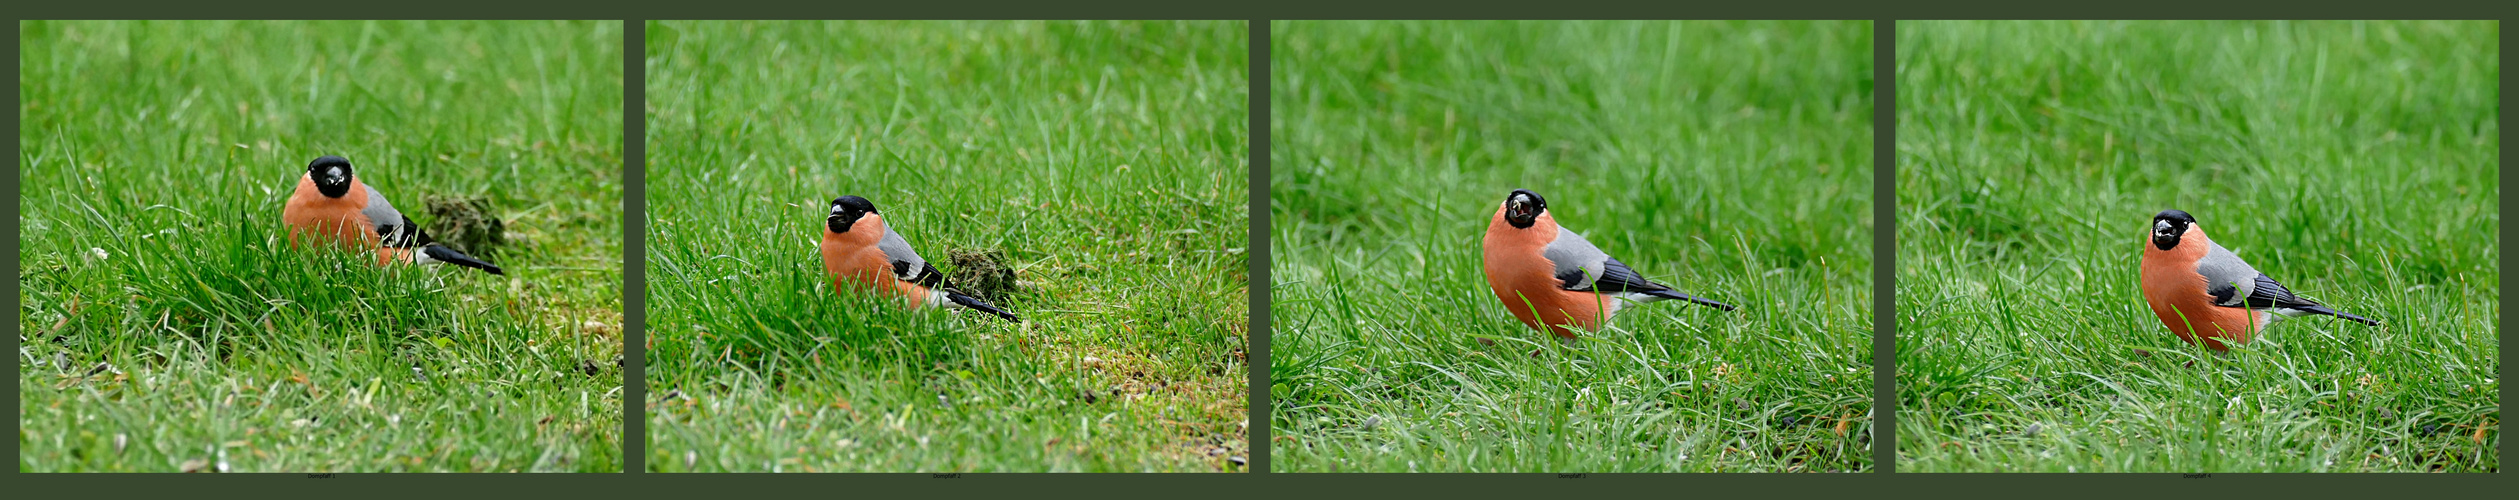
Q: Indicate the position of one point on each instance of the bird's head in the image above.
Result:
(1523, 208)
(846, 210)
(331, 175)
(2169, 226)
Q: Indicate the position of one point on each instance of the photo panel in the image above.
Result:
(1546, 246)
(2103, 226)
(938, 246)
(320, 246)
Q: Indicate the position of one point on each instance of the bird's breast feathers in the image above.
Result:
(856, 259)
(310, 213)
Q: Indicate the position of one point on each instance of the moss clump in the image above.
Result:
(465, 224)
(983, 274)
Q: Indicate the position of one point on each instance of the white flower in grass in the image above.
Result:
(94, 253)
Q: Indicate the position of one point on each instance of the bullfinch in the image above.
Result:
(331, 207)
(2206, 295)
(1548, 275)
(864, 254)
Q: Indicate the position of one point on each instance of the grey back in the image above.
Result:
(1575, 255)
(2229, 279)
(390, 226)
(906, 264)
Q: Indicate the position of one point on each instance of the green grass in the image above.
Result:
(1105, 161)
(166, 325)
(1731, 160)
(2355, 162)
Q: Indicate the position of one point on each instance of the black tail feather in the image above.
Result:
(974, 303)
(2318, 309)
(440, 253)
(1675, 295)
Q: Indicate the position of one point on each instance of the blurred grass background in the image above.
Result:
(1731, 160)
(2356, 162)
(165, 325)
(1103, 162)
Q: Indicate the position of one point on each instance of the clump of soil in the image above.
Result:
(465, 224)
(983, 274)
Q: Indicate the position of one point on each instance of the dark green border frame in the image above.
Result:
(637, 484)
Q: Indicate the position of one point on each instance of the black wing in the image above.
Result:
(401, 234)
(1615, 277)
(926, 277)
(2269, 294)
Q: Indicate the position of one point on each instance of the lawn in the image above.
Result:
(1730, 160)
(167, 326)
(2356, 162)
(1103, 164)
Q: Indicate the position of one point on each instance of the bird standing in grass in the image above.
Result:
(863, 253)
(1548, 275)
(2206, 295)
(332, 206)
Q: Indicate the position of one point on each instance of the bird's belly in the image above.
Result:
(1538, 302)
(333, 224)
(866, 270)
(2187, 310)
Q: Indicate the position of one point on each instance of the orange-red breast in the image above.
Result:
(331, 207)
(2206, 295)
(1548, 275)
(862, 253)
